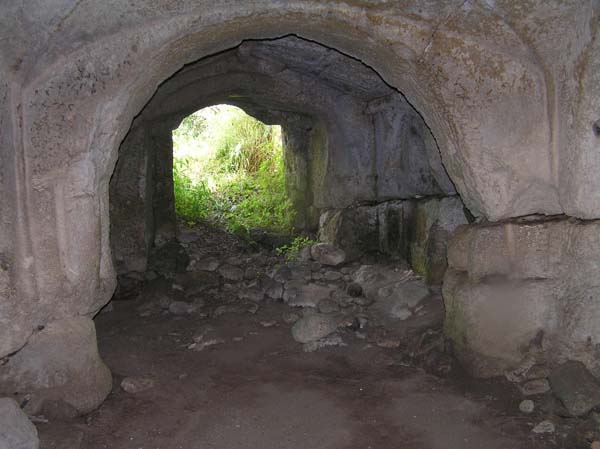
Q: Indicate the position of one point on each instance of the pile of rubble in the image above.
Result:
(330, 297)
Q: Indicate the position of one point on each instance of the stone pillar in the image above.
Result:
(59, 363)
(142, 204)
(524, 290)
(296, 141)
(10, 307)
(163, 222)
(131, 191)
(431, 225)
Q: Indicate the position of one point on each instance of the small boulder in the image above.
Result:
(135, 385)
(251, 273)
(282, 273)
(328, 306)
(16, 431)
(527, 406)
(536, 386)
(576, 387)
(300, 272)
(251, 294)
(182, 308)
(544, 427)
(327, 254)
(354, 289)
(396, 300)
(209, 264)
(272, 288)
(332, 276)
(330, 340)
(231, 273)
(290, 317)
(304, 254)
(314, 327)
(194, 282)
(298, 294)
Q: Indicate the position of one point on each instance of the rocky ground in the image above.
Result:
(222, 344)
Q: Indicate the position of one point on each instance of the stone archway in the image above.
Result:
(350, 138)
(491, 91)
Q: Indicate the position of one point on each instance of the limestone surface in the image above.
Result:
(502, 97)
(576, 387)
(521, 290)
(60, 362)
(16, 431)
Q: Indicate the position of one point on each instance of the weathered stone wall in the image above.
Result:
(131, 202)
(297, 163)
(10, 305)
(348, 137)
(142, 208)
(416, 230)
(525, 289)
(509, 90)
(407, 159)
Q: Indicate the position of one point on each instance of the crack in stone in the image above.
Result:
(436, 29)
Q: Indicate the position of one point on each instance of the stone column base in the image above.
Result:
(59, 363)
(524, 291)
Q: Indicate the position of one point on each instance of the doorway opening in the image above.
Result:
(228, 170)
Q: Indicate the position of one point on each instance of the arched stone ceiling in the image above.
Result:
(508, 88)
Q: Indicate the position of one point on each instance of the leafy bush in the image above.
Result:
(292, 251)
(237, 178)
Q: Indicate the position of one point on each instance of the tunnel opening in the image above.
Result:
(228, 169)
(275, 343)
(362, 169)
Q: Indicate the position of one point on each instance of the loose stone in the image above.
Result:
(314, 327)
(16, 431)
(544, 427)
(327, 254)
(527, 406)
(576, 387)
(533, 387)
(136, 385)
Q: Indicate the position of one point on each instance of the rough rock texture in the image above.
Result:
(329, 157)
(16, 431)
(393, 290)
(417, 230)
(60, 362)
(508, 89)
(524, 289)
(433, 223)
(327, 254)
(302, 294)
(313, 327)
(397, 300)
(576, 388)
(136, 385)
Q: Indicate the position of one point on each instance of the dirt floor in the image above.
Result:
(238, 380)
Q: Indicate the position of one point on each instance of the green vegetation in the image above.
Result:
(292, 251)
(228, 168)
